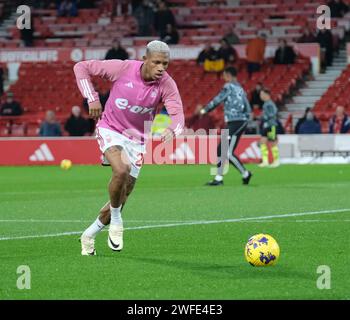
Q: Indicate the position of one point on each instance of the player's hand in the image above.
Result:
(198, 109)
(95, 110)
(167, 135)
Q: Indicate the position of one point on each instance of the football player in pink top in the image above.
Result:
(124, 126)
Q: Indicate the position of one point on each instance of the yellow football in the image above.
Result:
(66, 164)
(262, 250)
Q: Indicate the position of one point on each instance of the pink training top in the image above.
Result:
(132, 101)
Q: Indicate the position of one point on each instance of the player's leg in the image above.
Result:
(274, 149)
(264, 149)
(111, 211)
(102, 220)
(236, 130)
(88, 237)
(105, 212)
(117, 188)
(222, 151)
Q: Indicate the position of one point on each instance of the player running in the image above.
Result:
(237, 113)
(269, 134)
(138, 87)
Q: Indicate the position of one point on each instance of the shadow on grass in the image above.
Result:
(235, 271)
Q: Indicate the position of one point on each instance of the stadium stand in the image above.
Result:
(336, 95)
(199, 21)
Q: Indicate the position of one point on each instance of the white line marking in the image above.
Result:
(201, 222)
(82, 221)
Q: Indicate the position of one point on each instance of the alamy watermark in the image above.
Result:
(324, 20)
(24, 279)
(324, 280)
(24, 20)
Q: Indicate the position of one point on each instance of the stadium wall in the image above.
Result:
(301, 149)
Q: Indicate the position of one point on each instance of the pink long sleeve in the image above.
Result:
(172, 101)
(108, 69)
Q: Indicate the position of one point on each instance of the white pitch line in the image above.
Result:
(79, 221)
(201, 222)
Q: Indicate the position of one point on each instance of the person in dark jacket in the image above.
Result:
(11, 107)
(163, 17)
(76, 125)
(145, 18)
(227, 52)
(255, 99)
(284, 53)
(340, 122)
(338, 8)
(171, 35)
(117, 52)
(301, 120)
(310, 125)
(325, 40)
(208, 53)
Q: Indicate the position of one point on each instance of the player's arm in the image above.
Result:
(223, 94)
(172, 101)
(269, 112)
(107, 69)
(247, 107)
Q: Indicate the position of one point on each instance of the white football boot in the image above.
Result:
(115, 237)
(275, 164)
(87, 246)
(263, 165)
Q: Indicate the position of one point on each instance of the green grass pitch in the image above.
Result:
(177, 259)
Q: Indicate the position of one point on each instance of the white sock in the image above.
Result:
(116, 216)
(94, 229)
(219, 178)
(246, 174)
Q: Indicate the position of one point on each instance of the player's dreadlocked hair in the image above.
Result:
(157, 46)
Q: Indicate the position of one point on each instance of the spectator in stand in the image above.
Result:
(207, 53)
(200, 122)
(171, 35)
(301, 120)
(325, 39)
(50, 127)
(117, 52)
(255, 99)
(255, 51)
(76, 125)
(307, 37)
(11, 107)
(27, 35)
(340, 122)
(338, 8)
(67, 8)
(284, 54)
(210, 59)
(231, 37)
(163, 17)
(310, 125)
(145, 18)
(228, 53)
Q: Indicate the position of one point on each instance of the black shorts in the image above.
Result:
(270, 133)
(236, 128)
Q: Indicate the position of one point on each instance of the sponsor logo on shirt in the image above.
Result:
(123, 104)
